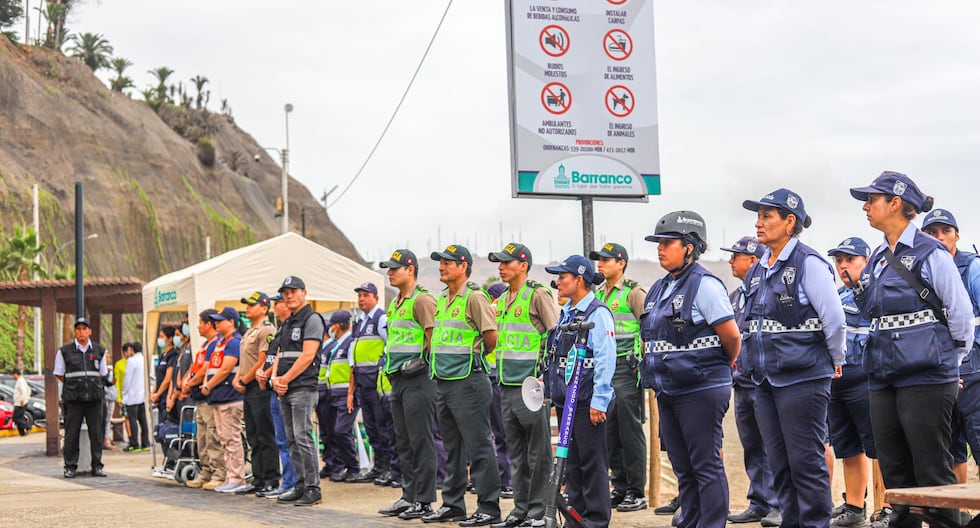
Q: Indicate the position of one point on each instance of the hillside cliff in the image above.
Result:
(146, 194)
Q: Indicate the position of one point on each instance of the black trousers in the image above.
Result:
(627, 439)
(136, 415)
(261, 433)
(93, 414)
(413, 411)
(587, 473)
(912, 435)
(20, 421)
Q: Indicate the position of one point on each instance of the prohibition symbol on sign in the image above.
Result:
(620, 101)
(617, 2)
(554, 40)
(556, 98)
(617, 44)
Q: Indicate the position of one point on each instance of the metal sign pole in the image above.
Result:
(588, 225)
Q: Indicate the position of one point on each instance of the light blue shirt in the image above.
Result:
(602, 341)
(382, 322)
(940, 271)
(711, 302)
(973, 288)
(817, 289)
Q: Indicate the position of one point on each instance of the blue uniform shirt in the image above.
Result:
(817, 289)
(940, 271)
(973, 288)
(602, 341)
(711, 303)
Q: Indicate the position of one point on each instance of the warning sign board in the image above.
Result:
(620, 101)
(617, 44)
(603, 142)
(556, 98)
(554, 41)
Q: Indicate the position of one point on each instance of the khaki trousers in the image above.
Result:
(228, 419)
(208, 448)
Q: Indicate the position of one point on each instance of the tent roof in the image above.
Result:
(262, 266)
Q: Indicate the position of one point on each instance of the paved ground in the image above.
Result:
(33, 490)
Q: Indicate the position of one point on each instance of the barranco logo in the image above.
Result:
(161, 298)
(608, 179)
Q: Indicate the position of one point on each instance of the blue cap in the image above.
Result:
(747, 246)
(893, 184)
(852, 246)
(784, 199)
(496, 289)
(368, 287)
(227, 314)
(940, 216)
(276, 297)
(340, 317)
(576, 265)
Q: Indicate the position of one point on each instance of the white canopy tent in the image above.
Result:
(224, 280)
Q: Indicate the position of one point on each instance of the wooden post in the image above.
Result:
(117, 332)
(653, 477)
(49, 325)
(878, 485)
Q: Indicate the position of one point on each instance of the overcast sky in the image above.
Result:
(753, 95)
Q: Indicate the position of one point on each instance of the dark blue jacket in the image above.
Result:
(562, 343)
(680, 356)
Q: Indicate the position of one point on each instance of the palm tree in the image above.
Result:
(93, 49)
(120, 82)
(162, 74)
(56, 13)
(151, 96)
(199, 82)
(17, 259)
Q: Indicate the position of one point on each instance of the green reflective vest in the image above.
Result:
(453, 338)
(518, 341)
(368, 343)
(627, 325)
(338, 365)
(406, 337)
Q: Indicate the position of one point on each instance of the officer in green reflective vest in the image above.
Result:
(465, 332)
(525, 312)
(411, 317)
(370, 335)
(627, 439)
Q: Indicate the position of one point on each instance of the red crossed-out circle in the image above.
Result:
(554, 40)
(617, 2)
(556, 98)
(617, 44)
(621, 104)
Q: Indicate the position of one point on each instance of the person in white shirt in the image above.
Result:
(134, 397)
(22, 393)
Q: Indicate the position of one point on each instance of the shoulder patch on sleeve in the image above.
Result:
(269, 338)
(630, 283)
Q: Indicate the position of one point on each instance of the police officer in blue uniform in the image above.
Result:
(690, 339)
(941, 225)
(849, 413)
(921, 328)
(763, 506)
(587, 477)
(794, 346)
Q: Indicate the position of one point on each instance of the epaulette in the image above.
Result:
(473, 286)
(630, 283)
(534, 284)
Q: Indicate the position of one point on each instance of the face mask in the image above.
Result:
(178, 341)
(185, 329)
(161, 342)
(331, 333)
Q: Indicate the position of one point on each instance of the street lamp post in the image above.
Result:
(57, 251)
(285, 174)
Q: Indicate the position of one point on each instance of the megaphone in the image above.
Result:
(532, 392)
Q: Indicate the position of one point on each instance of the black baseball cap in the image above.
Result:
(292, 282)
(453, 252)
(610, 250)
(82, 321)
(399, 258)
(512, 251)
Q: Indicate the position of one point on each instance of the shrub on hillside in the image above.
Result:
(205, 151)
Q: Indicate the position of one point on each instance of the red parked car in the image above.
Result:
(6, 415)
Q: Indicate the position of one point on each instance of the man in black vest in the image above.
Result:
(81, 366)
(293, 378)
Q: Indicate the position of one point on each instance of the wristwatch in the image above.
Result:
(205, 387)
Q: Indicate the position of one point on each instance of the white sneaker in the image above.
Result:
(230, 487)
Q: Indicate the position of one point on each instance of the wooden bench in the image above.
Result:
(954, 496)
